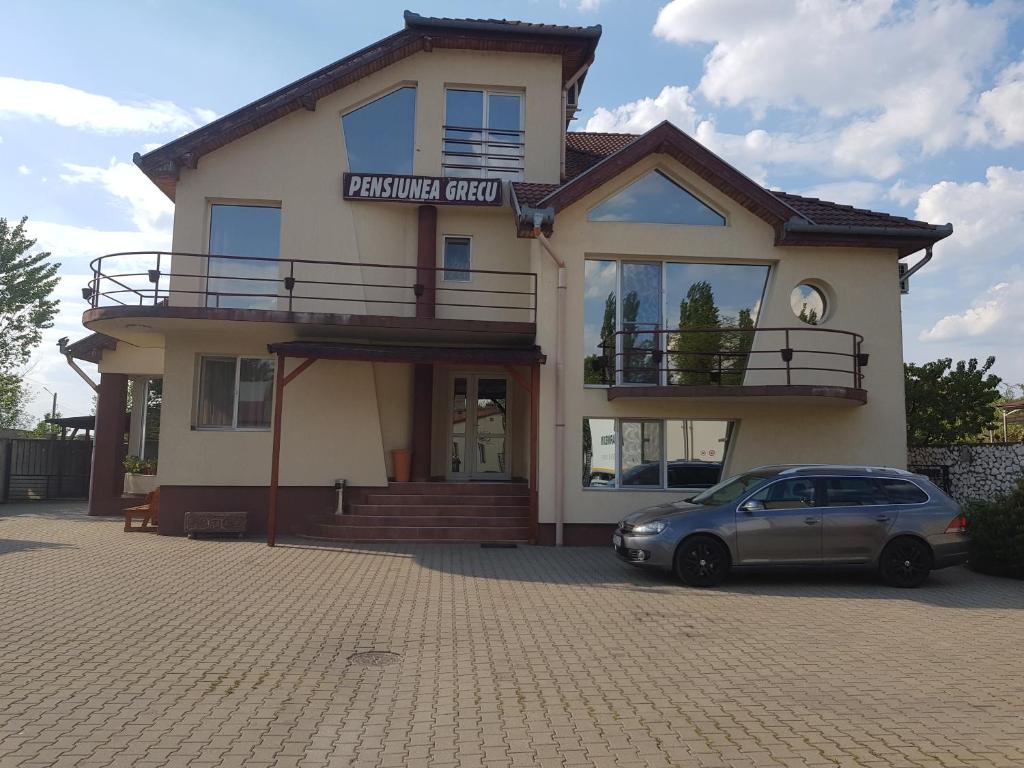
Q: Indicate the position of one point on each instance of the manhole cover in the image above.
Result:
(375, 658)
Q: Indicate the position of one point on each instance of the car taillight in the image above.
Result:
(958, 524)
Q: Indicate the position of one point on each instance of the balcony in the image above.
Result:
(797, 362)
(137, 296)
(487, 152)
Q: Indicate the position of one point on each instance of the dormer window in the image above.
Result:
(380, 136)
(483, 134)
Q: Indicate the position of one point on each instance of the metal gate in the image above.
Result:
(46, 469)
(937, 473)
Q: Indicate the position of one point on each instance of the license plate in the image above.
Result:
(616, 541)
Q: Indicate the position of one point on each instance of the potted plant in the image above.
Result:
(139, 476)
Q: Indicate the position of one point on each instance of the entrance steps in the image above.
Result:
(442, 512)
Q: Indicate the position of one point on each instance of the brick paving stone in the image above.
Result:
(229, 653)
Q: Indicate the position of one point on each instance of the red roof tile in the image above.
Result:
(825, 212)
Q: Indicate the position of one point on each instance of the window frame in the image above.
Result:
(444, 268)
(372, 100)
(198, 392)
(619, 380)
(663, 487)
(485, 129)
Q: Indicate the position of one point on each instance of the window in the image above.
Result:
(902, 491)
(252, 234)
(808, 303)
(655, 199)
(646, 322)
(483, 134)
(852, 492)
(652, 453)
(456, 259)
(235, 392)
(380, 136)
(794, 493)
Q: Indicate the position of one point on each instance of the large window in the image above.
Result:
(380, 136)
(252, 233)
(235, 392)
(654, 453)
(648, 322)
(655, 199)
(483, 134)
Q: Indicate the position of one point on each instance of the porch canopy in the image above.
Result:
(423, 357)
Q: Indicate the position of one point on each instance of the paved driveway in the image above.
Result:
(136, 649)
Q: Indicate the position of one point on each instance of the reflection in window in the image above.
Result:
(380, 136)
(254, 233)
(655, 199)
(483, 134)
(456, 259)
(599, 465)
(651, 453)
(808, 303)
(235, 392)
(640, 346)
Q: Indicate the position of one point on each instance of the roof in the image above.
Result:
(592, 159)
(576, 46)
(89, 348)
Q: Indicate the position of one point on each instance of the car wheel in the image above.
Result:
(905, 562)
(702, 561)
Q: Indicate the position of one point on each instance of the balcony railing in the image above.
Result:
(487, 152)
(653, 356)
(152, 278)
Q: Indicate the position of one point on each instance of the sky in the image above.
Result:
(914, 108)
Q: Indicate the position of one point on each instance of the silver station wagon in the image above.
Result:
(887, 519)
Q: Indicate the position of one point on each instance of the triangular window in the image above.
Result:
(656, 199)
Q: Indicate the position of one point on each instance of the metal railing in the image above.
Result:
(653, 356)
(140, 278)
(491, 151)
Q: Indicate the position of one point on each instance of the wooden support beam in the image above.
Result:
(299, 369)
(275, 458)
(519, 379)
(534, 450)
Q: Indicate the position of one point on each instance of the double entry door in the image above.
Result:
(479, 427)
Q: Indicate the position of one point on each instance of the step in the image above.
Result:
(427, 521)
(444, 510)
(407, 533)
(483, 489)
(419, 499)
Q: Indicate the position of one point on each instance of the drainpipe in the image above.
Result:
(62, 345)
(560, 299)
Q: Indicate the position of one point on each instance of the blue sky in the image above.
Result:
(915, 108)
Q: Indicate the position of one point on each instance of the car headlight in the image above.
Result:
(646, 529)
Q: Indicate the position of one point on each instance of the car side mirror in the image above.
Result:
(752, 506)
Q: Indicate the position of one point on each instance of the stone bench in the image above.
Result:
(216, 522)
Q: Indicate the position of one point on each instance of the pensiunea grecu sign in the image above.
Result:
(384, 187)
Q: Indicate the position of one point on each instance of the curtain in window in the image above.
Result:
(216, 392)
(255, 392)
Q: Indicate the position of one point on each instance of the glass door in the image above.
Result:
(479, 428)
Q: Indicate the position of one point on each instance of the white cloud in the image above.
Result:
(997, 315)
(674, 103)
(901, 77)
(754, 151)
(24, 170)
(148, 207)
(998, 116)
(73, 108)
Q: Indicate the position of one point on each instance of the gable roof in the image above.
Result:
(576, 46)
(599, 157)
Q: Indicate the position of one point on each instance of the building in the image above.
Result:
(408, 249)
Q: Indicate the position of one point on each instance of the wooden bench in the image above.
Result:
(148, 513)
(216, 522)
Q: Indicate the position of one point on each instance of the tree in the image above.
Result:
(949, 404)
(13, 402)
(600, 368)
(43, 429)
(27, 283)
(696, 352)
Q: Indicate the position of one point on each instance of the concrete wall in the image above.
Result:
(975, 471)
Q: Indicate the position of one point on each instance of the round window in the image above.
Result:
(808, 303)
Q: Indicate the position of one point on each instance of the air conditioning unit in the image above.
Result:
(904, 282)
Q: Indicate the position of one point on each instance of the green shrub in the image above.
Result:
(997, 534)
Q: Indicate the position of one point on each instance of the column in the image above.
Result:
(106, 485)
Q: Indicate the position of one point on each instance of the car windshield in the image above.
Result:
(730, 489)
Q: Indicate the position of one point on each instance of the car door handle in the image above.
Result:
(883, 518)
(811, 520)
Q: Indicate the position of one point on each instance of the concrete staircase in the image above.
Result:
(445, 512)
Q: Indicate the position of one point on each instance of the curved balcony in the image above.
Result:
(795, 362)
(395, 301)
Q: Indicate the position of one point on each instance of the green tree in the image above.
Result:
(809, 316)
(27, 282)
(13, 402)
(42, 429)
(600, 368)
(738, 343)
(949, 404)
(696, 352)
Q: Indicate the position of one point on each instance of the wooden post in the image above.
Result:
(534, 451)
(422, 420)
(275, 460)
(426, 262)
